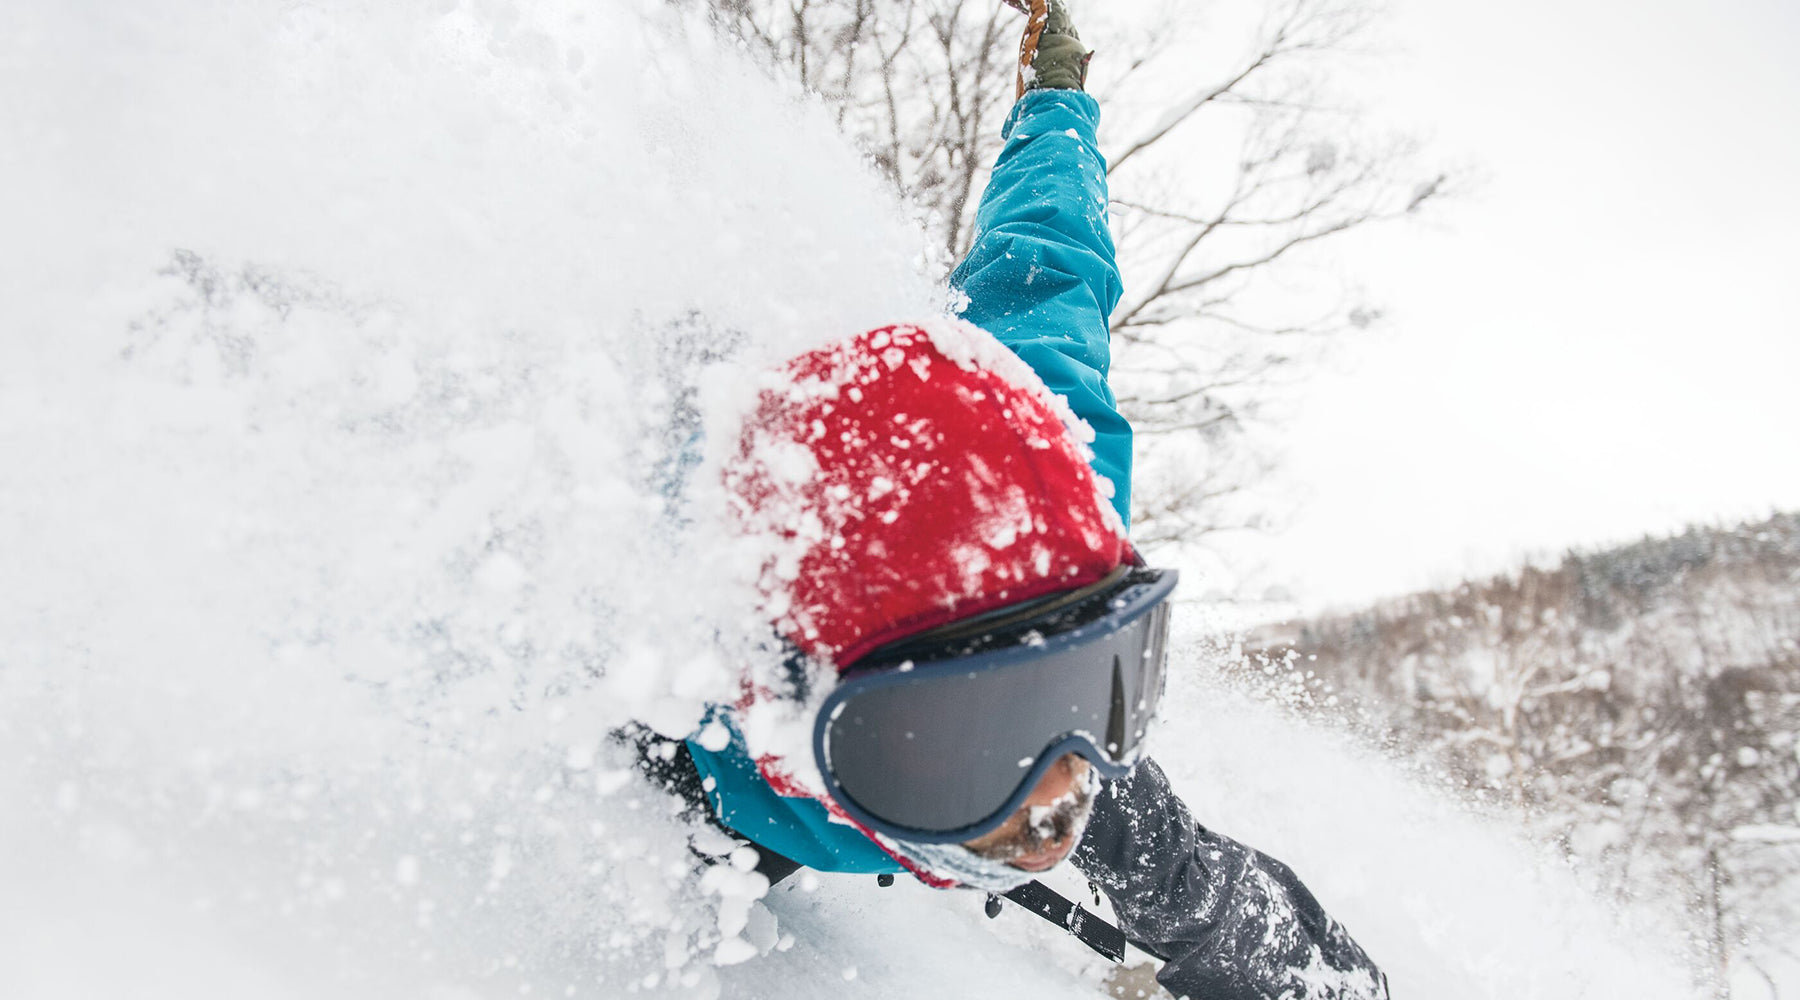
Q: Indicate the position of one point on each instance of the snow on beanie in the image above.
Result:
(916, 475)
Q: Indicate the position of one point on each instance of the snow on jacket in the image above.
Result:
(1230, 923)
(1041, 276)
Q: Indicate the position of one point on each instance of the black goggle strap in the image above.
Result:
(1053, 906)
(998, 621)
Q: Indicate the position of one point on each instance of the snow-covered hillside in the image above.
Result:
(351, 357)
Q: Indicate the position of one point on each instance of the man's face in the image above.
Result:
(1044, 830)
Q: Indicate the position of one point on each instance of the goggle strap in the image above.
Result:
(1000, 620)
(1087, 927)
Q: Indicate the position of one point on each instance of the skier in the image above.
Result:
(976, 647)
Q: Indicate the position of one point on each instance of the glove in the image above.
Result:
(1061, 60)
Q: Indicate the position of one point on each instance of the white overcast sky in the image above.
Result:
(1603, 339)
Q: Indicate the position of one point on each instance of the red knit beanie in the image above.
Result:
(918, 475)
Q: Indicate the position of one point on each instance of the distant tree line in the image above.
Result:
(1640, 706)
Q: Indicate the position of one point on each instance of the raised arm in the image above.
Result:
(1041, 275)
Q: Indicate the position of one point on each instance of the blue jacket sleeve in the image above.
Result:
(1041, 275)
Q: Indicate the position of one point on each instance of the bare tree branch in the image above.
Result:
(924, 84)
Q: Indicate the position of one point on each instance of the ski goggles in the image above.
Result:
(939, 738)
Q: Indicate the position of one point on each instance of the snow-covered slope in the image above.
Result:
(348, 360)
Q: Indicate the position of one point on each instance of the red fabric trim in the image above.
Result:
(784, 784)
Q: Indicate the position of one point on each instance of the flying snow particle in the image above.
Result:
(580, 757)
(714, 736)
(608, 782)
(732, 951)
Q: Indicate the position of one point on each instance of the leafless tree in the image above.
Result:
(1641, 707)
(1219, 303)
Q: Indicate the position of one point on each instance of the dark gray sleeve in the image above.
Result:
(1229, 922)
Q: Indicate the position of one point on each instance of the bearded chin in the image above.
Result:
(964, 867)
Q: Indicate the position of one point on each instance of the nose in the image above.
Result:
(1061, 780)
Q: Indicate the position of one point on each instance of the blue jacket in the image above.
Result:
(1042, 279)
